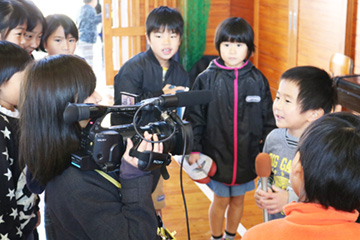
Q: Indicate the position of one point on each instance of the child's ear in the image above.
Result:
(297, 176)
(314, 114)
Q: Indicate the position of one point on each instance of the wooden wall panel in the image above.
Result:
(271, 30)
(222, 9)
(219, 10)
(317, 42)
(244, 9)
(356, 37)
(351, 28)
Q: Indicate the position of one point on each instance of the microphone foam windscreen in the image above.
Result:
(193, 98)
(263, 165)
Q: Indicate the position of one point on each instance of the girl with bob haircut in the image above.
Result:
(231, 127)
(60, 36)
(325, 174)
(80, 204)
(19, 207)
(235, 30)
(13, 21)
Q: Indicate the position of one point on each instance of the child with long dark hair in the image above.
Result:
(79, 204)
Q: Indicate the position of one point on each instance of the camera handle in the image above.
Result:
(151, 160)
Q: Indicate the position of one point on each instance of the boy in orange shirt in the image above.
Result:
(325, 174)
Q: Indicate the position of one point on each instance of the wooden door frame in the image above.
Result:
(133, 32)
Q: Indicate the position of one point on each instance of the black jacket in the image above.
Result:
(232, 126)
(85, 205)
(143, 75)
(18, 206)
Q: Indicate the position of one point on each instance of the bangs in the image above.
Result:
(71, 29)
(234, 33)
(17, 17)
(164, 18)
(235, 30)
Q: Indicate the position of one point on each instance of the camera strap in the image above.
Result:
(109, 178)
(151, 160)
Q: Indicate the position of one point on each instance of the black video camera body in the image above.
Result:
(103, 147)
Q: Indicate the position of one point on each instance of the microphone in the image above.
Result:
(82, 111)
(263, 170)
(181, 99)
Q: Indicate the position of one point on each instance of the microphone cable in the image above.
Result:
(181, 182)
(179, 121)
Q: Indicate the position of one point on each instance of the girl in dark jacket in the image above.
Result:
(230, 129)
(79, 204)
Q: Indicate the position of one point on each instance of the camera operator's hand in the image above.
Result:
(170, 89)
(144, 146)
(193, 158)
(129, 165)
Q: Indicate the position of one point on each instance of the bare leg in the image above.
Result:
(234, 213)
(217, 213)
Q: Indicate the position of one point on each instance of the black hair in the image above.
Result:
(56, 20)
(316, 88)
(330, 158)
(5, 10)
(12, 15)
(13, 59)
(164, 17)
(52, 83)
(235, 29)
(34, 15)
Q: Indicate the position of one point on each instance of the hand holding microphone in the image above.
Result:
(263, 170)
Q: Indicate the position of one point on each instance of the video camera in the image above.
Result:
(102, 147)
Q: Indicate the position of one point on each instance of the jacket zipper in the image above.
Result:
(236, 97)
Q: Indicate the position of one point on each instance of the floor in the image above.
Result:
(198, 199)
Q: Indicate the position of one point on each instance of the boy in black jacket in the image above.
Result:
(154, 72)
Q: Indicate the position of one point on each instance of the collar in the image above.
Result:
(7, 112)
(316, 214)
(221, 64)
